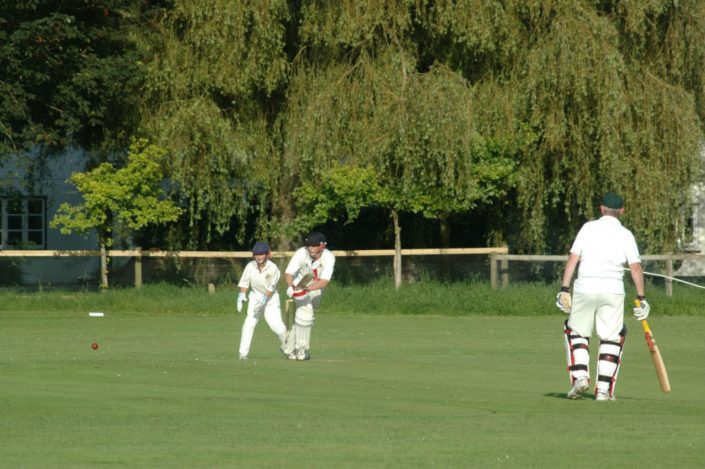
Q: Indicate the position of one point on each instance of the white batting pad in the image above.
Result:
(303, 337)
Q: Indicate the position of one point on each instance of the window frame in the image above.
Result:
(9, 228)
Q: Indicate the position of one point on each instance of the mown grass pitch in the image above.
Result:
(167, 390)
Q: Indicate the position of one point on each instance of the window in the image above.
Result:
(23, 222)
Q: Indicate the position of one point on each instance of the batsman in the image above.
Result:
(602, 248)
(308, 273)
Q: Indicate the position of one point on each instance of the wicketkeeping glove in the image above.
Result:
(563, 300)
(642, 312)
(240, 300)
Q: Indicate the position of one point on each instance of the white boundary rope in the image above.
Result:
(673, 279)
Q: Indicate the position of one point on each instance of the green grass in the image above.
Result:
(377, 298)
(166, 390)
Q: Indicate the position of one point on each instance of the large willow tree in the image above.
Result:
(213, 68)
(359, 99)
(612, 91)
(525, 109)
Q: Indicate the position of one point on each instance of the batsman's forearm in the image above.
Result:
(318, 285)
(637, 277)
(570, 269)
(289, 279)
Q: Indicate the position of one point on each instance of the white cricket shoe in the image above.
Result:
(243, 357)
(604, 396)
(579, 387)
(302, 355)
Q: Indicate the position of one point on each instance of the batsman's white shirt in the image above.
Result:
(301, 264)
(261, 281)
(604, 247)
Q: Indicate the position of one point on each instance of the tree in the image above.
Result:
(131, 196)
(368, 105)
(584, 97)
(214, 70)
(69, 74)
(611, 93)
(524, 109)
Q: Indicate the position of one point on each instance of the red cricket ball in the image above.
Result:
(94, 345)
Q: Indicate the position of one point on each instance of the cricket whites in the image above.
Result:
(655, 356)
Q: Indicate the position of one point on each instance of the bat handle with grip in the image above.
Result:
(644, 324)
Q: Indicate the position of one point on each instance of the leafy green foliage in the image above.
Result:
(213, 66)
(131, 196)
(412, 133)
(522, 111)
(341, 193)
(70, 74)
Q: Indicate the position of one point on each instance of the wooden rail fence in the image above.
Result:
(499, 258)
(139, 254)
(667, 259)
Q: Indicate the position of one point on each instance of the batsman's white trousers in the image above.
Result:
(272, 314)
(599, 312)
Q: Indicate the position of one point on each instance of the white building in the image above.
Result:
(29, 199)
(696, 235)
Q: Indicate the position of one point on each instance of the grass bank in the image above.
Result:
(378, 298)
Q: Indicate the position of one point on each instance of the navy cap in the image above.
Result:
(613, 201)
(315, 238)
(260, 248)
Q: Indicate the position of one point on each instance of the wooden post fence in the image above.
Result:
(138, 254)
(499, 258)
(668, 260)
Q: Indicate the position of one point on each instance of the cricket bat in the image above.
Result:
(655, 355)
(289, 311)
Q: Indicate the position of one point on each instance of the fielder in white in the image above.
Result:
(602, 247)
(262, 275)
(308, 273)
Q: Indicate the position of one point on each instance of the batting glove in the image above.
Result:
(290, 292)
(642, 312)
(240, 300)
(563, 300)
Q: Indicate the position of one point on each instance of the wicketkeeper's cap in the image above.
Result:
(260, 248)
(315, 238)
(613, 200)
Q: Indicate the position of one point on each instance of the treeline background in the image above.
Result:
(425, 123)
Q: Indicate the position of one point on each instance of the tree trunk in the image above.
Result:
(284, 212)
(445, 232)
(445, 244)
(397, 250)
(103, 265)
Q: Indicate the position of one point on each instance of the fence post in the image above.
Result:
(669, 275)
(138, 268)
(505, 271)
(493, 271)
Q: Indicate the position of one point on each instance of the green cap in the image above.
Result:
(613, 200)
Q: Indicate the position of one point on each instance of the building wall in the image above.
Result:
(25, 176)
(696, 245)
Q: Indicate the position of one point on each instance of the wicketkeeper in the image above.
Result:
(262, 275)
(308, 273)
(602, 247)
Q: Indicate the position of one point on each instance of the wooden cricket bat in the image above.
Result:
(289, 315)
(661, 373)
